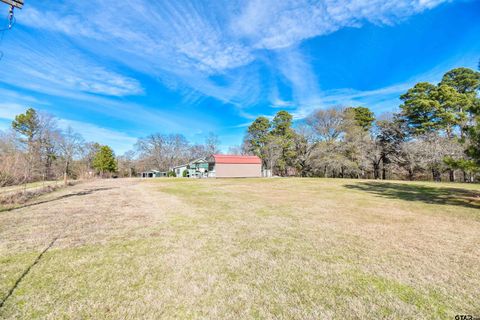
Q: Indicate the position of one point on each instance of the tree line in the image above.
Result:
(434, 135)
(36, 149)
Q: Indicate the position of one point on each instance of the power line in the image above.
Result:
(11, 19)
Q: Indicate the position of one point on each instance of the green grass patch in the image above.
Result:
(428, 302)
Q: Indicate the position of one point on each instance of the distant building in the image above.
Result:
(198, 168)
(234, 166)
(179, 170)
(221, 166)
(152, 174)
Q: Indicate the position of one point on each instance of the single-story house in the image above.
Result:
(234, 166)
(152, 174)
(179, 170)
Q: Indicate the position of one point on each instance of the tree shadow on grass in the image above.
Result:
(26, 272)
(68, 195)
(431, 195)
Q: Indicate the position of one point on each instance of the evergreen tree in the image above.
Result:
(283, 131)
(27, 124)
(363, 117)
(452, 112)
(466, 83)
(474, 135)
(420, 111)
(464, 80)
(257, 136)
(263, 137)
(104, 160)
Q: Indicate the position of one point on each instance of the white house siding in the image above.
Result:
(179, 171)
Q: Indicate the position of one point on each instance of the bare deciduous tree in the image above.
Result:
(70, 144)
(328, 124)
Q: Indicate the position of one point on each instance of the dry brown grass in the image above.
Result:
(253, 248)
(15, 196)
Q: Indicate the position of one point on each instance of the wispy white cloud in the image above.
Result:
(60, 68)
(241, 125)
(385, 99)
(10, 95)
(94, 56)
(382, 99)
(215, 37)
(8, 111)
(282, 104)
(149, 119)
(184, 43)
(297, 70)
(278, 24)
(118, 141)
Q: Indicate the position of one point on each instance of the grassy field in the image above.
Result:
(243, 249)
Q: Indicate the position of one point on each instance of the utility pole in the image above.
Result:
(13, 4)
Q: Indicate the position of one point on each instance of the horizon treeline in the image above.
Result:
(434, 136)
(36, 149)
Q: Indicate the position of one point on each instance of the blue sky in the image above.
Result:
(118, 70)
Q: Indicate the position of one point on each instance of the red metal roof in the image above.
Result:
(234, 159)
